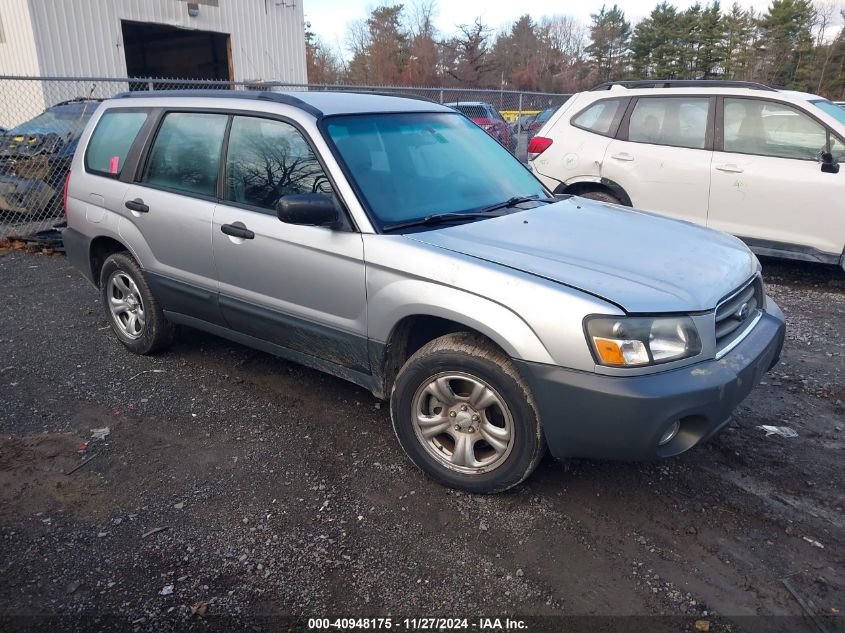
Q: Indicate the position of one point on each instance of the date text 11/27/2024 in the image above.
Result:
(417, 624)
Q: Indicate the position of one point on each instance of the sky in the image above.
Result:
(329, 18)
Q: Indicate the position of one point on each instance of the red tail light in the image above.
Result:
(537, 146)
(64, 192)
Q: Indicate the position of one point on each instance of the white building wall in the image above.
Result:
(18, 56)
(80, 38)
(83, 37)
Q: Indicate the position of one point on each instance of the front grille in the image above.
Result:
(736, 314)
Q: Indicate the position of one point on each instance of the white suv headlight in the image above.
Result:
(639, 341)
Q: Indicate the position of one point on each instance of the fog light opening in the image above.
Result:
(670, 433)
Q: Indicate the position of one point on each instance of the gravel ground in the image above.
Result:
(282, 491)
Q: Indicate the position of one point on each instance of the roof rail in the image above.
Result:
(682, 83)
(255, 95)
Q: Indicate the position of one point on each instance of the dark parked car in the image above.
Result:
(522, 122)
(35, 157)
(540, 121)
(488, 119)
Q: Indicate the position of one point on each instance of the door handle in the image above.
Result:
(623, 156)
(137, 205)
(730, 168)
(238, 229)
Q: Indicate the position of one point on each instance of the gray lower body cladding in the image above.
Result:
(78, 252)
(604, 417)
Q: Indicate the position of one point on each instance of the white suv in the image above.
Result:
(760, 163)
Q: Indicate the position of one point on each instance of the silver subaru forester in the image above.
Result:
(391, 242)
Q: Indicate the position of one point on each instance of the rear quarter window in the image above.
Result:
(602, 117)
(111, 141)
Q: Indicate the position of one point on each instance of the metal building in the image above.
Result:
(235, 40)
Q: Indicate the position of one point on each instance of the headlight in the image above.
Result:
(638, 341)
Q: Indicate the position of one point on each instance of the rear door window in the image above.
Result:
(675, 121)
(186, 153)
(111, 141)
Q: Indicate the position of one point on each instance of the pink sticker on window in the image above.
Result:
(114, 164)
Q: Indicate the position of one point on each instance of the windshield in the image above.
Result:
(66, 121)
(837, 112)
(409, 166)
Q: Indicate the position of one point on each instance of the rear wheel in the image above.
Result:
(134, 314)
(464, 415)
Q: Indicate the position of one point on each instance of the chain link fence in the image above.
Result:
(41, 119)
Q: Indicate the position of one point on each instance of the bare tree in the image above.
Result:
(467, 55)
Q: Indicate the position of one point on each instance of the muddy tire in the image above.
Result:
(133, 312)
(464, 416)
(601, 196)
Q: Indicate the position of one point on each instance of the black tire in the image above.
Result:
(602, 196)
(157, 332)
(471, 355)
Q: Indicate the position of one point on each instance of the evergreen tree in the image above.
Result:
(610, 34)
(786, 39)
(738, 42)
(658, 45)
(711, 49)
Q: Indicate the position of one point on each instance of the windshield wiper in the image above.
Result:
(485, 212)
(437, 218)
(512, 202)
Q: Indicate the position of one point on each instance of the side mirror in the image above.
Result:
(828, 162)
(313, 209)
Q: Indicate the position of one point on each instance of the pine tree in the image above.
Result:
(658, 45)
(610, 34)
(786, 40)
(738, 42)
(711, 50)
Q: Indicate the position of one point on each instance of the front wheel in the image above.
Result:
(464, 416)
(602, 196)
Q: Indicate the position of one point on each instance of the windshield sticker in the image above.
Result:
(437, 135)
(114, 164)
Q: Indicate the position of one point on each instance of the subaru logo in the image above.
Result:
(742, 313)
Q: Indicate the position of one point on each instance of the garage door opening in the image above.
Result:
(158, 50)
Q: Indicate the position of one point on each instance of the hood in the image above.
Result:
(639, 261)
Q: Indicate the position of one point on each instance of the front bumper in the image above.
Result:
(606, 417)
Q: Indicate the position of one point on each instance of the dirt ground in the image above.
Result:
(282, 492)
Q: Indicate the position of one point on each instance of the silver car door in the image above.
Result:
(300, 287)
